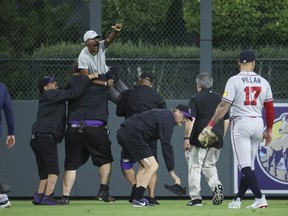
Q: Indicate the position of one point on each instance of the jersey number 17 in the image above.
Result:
(254, 91)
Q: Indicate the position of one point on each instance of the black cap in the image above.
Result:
(246, 56)
(45, 81)
(147, 76)
(185, 110)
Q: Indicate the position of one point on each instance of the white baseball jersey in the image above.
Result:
(95, 63)
(247, 92)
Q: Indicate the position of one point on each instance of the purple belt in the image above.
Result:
(87, 123)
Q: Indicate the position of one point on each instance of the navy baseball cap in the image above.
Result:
(246, 56)
(45, 81)
(185, 110)
(147, 76)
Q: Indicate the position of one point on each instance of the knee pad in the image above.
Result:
(126, 165)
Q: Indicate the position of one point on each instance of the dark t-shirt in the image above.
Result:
(51, 112)
(138, 99)
(92, 105)
(203, 106)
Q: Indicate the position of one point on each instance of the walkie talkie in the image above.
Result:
(81, 126)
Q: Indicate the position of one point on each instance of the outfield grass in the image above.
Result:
(123, 208)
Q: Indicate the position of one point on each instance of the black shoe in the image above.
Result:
(196, 202)
(37, 198)
(63, 201)
(49, 200)
(153, 201)
(176, 189)
(105, 196)
(218, 196)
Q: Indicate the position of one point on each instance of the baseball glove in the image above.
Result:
(207, 138)
(176, 189)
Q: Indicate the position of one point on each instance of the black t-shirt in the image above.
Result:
(92, 105)
(138, 99)
(203, 106)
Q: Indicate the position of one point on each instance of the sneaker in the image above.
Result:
(141, 203)
(49, 200)
(5, 204)
(259, 203)
(152, 200)
(218, 196)
(105, 196)
(196, 202)
(235, 204)
(63, 201)
(37, 198)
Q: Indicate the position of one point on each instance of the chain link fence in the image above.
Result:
(30, 25)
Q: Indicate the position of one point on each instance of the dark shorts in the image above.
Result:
(134, 146)
(93, 141)
(44, 147)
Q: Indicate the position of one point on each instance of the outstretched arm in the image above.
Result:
(175, 177)
(116, 28)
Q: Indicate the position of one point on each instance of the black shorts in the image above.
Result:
(127, 158)
(93, 141)
(44, 147)
(134, 144)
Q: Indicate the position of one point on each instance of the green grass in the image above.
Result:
(123, 208)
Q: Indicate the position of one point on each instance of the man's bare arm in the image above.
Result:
(84, 72)
(188, 129)
(221, 110)
(116, 28)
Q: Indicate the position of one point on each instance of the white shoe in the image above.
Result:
(235, 204)
(5, 204)
(259, 203)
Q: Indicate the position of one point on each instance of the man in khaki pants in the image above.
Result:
(203, 105)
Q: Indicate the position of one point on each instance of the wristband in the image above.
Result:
(105, 83)
(211, 123)
(186, 138)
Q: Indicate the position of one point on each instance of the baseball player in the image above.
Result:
(134, 136)
(92, 59)
(147, 98)
(247, 93)
(203, 105)
(6, 105)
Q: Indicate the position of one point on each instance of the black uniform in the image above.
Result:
(136, 100)
(136, 132)
(202, 106)
(49, 128)
(87, 134)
